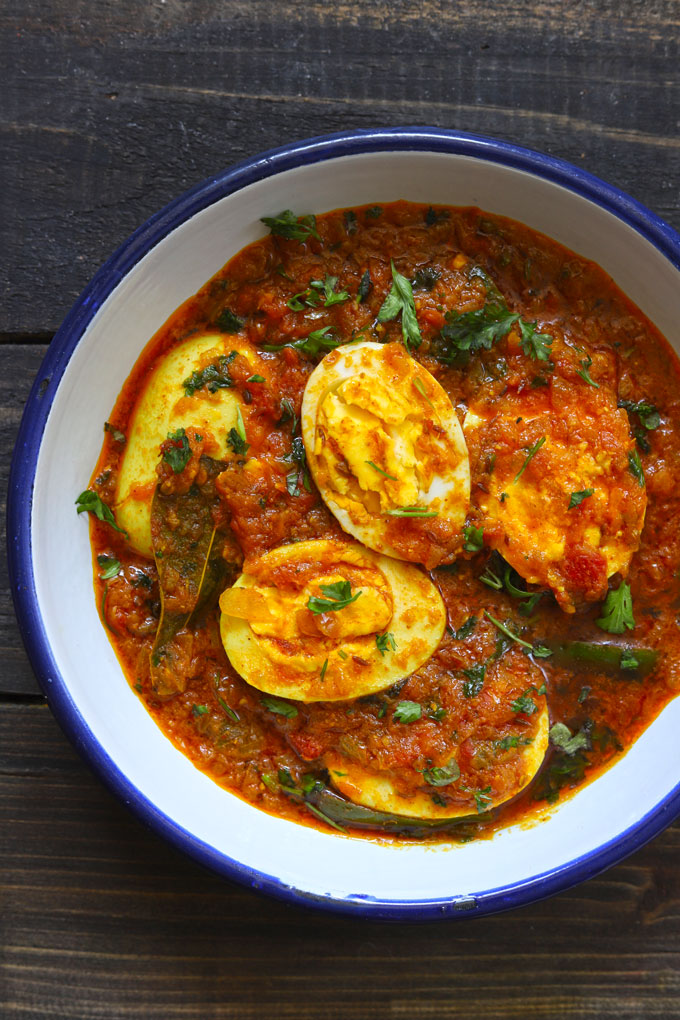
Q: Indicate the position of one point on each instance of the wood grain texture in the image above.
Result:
(19, 364)
(102, 920)
(111, 110)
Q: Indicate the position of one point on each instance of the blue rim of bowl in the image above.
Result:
(24, 463)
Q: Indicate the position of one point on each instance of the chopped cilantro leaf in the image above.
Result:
(628, 659)
(199, 710)
(469, 332)
(465, 629)
(118, 436)
(483, 799)
(385, 641)
(561, 737)
(577, 498)
(475, 679)
(524, 704)
(617, 612)
(635, 467)
(279, 707)
(380, 471)
(90, 502)
(110, 566)
(365, 286)
(474, 538)
(535, 345)
(213, 377)
(585, 374)
(646, 412)
(412, 511)
(337, 596)
(292, 227)
(407, 712)
(532, 451)
(426, 277)
(442, 775)
(228, 322)
(400, 300)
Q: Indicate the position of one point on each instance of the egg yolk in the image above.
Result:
(378, 444)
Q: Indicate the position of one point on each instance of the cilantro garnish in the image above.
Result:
(213, 377)
(380, 471)
(635, 467)
(524, 705)
(532, 451)
(322, 674)
(179, 454)
(199, 710)
(110, 566)
(292, 227)
(617, 612)
(465, 629)
(337, 596)
(475, 679)
(577, 498)
(483, 799)
(279, 707)
(318, 340)
(228, 322)
(535, 345)
(386, 641)
(298, 456)
(412, 511)
(407, 712)
(538, 650)
(474, 538)
(442, 775)
(585, 374)
(400, 300)
(478, 330)
(237, 436)
(327, 288)
(562, 738)
(225, 707)
(628, 659)
(118, 436)
(90, 502)
(426, 277)
(287, 413)
(646, 412)
(365, 286)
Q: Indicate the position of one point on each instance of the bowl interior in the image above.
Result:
(220, 828)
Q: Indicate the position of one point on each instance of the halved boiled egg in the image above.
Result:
(450, 789)
(189, 387)
(387, 452)
(326, 621)
(557, 495)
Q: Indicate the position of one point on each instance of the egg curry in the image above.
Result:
(384, 523)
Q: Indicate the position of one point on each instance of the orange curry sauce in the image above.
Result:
(219, 721)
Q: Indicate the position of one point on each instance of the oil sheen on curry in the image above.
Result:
(385, 522)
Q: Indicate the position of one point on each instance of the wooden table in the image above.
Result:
(111, 110)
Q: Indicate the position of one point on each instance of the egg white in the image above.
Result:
(374, 789)
(271, 637)
(381, 434)
(163, 407)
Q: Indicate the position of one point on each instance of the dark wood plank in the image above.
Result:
(102, 920)
(19, 364)
(116, 109)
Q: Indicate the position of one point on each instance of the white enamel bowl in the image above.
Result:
(160, 266)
